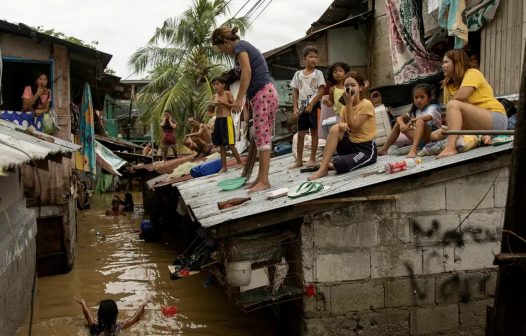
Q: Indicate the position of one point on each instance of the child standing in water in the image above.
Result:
(307, 89)
(423, 119)
(107, 323)
(223, 135)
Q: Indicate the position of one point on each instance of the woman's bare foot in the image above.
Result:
(412, 153)
(296, 165)
(259, 187)
(381, 152)
(319, 173)
(486, 140)
(447, 152)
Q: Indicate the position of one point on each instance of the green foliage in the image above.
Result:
(180, 61)
(62, 36)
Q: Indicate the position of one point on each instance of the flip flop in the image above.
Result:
(310, 169)
(232, 184)
(502, 139)
(306, 188)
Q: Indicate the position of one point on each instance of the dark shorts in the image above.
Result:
(352, 155)
(224, 134)
(308, 121)
(168, 139)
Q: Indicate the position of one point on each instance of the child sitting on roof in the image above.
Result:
(354, 138)
(423, 119)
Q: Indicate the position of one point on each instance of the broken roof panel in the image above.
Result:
(17, 147)
(202, 194)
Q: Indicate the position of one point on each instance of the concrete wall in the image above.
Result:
(348, 45)
(415, 266)
(17, 254)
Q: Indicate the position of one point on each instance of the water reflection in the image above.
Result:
(112, 262)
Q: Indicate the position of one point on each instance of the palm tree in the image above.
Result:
(181, 62)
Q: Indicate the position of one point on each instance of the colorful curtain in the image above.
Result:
(409, 56)
(85, 159)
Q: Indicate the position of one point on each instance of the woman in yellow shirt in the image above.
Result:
(471, 104)
(354, 138)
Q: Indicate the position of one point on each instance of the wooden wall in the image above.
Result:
(502, 47)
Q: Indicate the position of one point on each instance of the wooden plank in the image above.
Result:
(61, 93)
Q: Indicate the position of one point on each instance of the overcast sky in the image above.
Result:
(122, 26)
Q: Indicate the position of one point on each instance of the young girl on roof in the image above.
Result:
(354, 138)
(336, 78)
(423, 119)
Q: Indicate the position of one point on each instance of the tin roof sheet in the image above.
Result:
(17, 147)
(202, 194)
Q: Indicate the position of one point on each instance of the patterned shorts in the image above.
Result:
(264, 106)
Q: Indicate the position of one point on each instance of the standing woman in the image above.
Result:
(471, 104)
(255, 83)
(37, 98)
(168, 140)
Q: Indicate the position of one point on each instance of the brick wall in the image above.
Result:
(415, 266)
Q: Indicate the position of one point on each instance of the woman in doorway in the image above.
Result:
(37, 99)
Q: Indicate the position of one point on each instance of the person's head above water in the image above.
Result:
(106, 316)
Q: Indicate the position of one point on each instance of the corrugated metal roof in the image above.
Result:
(202, 194)
(17, 147)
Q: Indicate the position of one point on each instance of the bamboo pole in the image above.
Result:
(479, 132)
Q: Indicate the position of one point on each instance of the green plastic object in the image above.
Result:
(232, 184)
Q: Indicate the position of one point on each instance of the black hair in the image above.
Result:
(310, 49)
(34, 87)
(106, 318)
(330, 70)
(219, 79)
(428, 90)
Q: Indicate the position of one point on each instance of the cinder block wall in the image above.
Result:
(415, 266)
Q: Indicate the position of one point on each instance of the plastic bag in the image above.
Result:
(49, 122)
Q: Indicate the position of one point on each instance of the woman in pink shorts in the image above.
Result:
(256, 85)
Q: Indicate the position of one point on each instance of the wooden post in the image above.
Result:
(61, 94)
(507, 316)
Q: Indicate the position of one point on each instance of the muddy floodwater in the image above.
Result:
(112, 262)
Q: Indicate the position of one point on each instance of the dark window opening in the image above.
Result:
(16, 75)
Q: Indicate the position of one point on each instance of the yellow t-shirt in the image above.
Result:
(482, 97)
(337, 94)
(367, 130)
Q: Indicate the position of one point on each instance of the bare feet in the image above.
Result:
(223, 170)
(296, 165)
(252, 184)
(311, 163)
(319, 173)
(381, 152)
(447, 152)
(412, 153)
(259, 187)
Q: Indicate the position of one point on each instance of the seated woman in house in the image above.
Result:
(471, 104)
(37, 97)
(353, 137)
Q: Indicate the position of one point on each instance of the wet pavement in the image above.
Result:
(112, 262)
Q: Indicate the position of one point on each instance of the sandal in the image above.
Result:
(306, 188)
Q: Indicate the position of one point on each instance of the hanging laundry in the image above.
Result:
(452, 16)
(409, 56)
(85, 158)
(481, 14)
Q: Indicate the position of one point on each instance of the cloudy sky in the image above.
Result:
(122, 26)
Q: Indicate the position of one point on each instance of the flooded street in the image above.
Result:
(112, 262)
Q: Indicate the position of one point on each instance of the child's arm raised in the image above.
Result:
(136, 317)
(85, 311)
